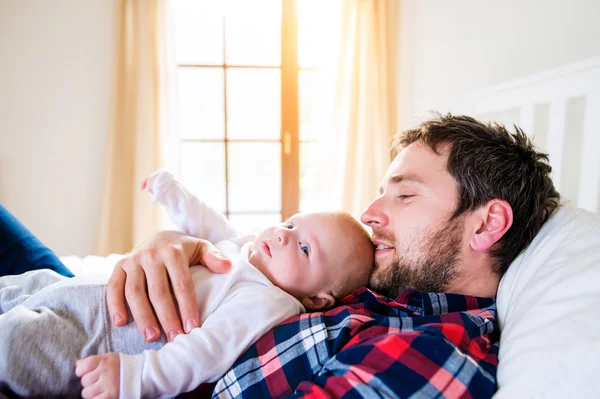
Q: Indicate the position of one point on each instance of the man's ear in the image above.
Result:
(494, 219)
(320, 301)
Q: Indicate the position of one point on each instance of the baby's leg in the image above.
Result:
(41, 340)
(18, 288)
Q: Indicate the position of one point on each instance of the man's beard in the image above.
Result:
(431, 267)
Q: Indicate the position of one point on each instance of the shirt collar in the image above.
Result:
(420, 303)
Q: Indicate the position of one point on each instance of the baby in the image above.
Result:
(47, 322)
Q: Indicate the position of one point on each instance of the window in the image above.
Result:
(253, 99)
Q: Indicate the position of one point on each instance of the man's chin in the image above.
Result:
(382, 286)
(379, 278)
(383, 262)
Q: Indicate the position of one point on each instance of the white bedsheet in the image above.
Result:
(97, 266)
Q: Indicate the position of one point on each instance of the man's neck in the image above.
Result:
(478, 279)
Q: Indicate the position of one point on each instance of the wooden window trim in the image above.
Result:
(290, 162)
(289, 133)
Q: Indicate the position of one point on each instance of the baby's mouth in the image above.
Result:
(266, 248)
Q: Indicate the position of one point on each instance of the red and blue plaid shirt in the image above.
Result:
(421, 345)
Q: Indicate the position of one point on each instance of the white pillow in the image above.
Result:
(549, 312)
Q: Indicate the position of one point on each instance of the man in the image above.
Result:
(458, 203)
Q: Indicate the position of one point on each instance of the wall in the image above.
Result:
(55, 83)
(449, 48)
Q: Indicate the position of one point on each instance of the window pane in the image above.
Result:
(315, 98)
(201, 103)
(254, 177)
(254, 223)
(202, 170)
(308, 177)
(318, 23)
(253, 103)
(198, 32)
(253, 32)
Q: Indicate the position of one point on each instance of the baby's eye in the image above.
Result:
(289, 226)
(304, 248)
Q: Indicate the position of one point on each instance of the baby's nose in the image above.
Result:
(283, 236)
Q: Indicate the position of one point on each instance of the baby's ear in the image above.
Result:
(320, 301)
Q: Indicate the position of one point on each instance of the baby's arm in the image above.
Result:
(191, 216)
(206, 353)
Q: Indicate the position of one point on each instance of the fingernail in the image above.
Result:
(219, 255)
(172, 335)
(189, 325)
(150, 333)
(118, 318)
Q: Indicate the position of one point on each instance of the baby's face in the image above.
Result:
(302, 255)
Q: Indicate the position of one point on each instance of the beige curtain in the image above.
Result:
(143, 75)
(355, 154)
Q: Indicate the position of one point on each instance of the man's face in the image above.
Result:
(418, 244)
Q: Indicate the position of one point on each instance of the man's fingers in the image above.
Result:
(162, 300)
(212, 258)
(135, 292)
(115, 295)
(183, 287)
(217, 263)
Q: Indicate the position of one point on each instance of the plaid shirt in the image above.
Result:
(420, 345)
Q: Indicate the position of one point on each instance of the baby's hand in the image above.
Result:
(148, 183)
(99, 376)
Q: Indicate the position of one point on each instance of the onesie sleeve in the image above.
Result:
(191, 215)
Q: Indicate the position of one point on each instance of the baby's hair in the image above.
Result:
(358, 263)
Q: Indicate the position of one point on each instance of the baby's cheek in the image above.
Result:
(293, 282)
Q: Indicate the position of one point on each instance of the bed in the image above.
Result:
(99, 266)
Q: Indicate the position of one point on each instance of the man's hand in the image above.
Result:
(165, 257)
(99, 376)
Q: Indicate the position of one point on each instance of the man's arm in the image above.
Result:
(165, 257)
(191, 215)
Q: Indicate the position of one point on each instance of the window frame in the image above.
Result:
(289, 141)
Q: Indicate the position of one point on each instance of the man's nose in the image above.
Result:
(375, 215)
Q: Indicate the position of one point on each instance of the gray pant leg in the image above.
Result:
(43, 337)
(16, 289)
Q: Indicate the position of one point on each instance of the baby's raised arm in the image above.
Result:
(191, 215)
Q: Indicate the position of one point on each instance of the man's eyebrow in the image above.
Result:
(410, 177)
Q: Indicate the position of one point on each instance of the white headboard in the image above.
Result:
(560, 110)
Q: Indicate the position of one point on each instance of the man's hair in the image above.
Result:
(489, 162)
